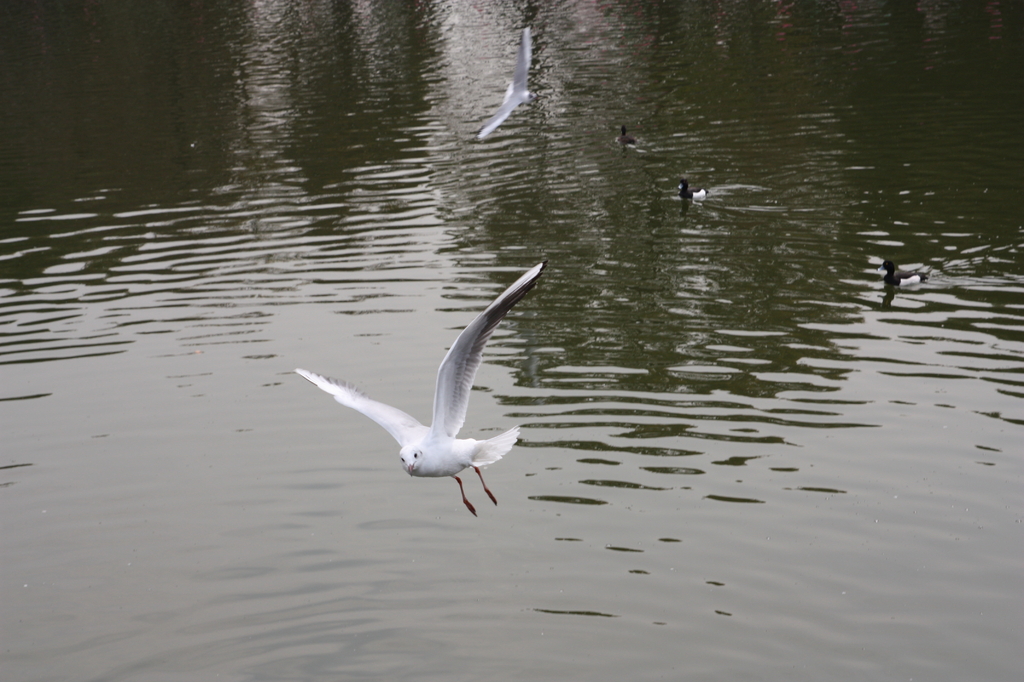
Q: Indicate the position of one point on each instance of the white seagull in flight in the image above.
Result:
(517, 92)
(435, 451)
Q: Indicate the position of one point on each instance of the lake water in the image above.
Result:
(742, 455)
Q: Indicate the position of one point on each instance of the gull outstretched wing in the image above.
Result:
(401, 426)
(457, 370)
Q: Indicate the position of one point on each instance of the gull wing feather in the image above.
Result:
(499, 117)
(401, 426)
(517, 92)
(458, 369)
(523, 59)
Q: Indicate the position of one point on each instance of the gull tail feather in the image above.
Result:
(490, 451)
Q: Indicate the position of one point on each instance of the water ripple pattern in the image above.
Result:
(742, 455)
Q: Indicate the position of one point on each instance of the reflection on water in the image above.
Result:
(198, 199)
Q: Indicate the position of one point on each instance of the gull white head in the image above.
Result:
(411, 456)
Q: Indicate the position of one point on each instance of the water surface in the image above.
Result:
(741, 456)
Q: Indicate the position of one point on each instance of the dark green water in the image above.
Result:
(742, 456)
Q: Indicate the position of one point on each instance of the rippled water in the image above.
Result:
(741, 454)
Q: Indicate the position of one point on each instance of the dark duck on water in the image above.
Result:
(686, 193)
(900, 278)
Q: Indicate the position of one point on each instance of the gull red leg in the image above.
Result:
(468, 505)
(486, 490)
